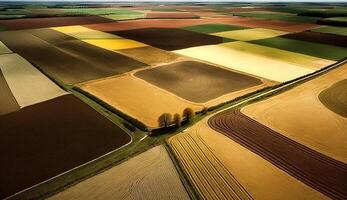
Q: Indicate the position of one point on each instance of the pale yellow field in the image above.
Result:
(4, 49)
(115, 44)
(137, 98)
(250, 34)
(28, 85)
(252, 59)
(150, 175)
(212, 160)
(299, 115)
(81, 32)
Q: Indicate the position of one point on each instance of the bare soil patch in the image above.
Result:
(46, 139)
(65, 57)
(31, 23)
(196, 81)
(325, 38)
(335, 98)
(321, 172)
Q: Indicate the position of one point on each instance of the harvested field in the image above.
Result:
(65, 57)
(115, 44)
(280, 17)
(137, 98)
(300, 115)
(217, 165)
(4, 49)
(150, 175)
(324, 38)
(268, 63)
(151, 55)
(125, 16)
(31, 23)
(324, 51)
(170, 15)
(321, 172)
(70, 133)
(25, 81)
(8, 102)
(213, 28)
(82, 33)
(335, 98)
(250, 34)
(193, 80)
(169, 38)
(332, 30)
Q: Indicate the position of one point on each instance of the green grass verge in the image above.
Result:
(213, 28)
(332, 30)
(280, 17)
(313, 49)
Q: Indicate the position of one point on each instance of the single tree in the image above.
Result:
(188, 114)
(165, 120)
(177, 120)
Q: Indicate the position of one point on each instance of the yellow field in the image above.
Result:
(98, 38)
(250, 34)
(221, 168)
(4, 49)
(299, 115)
(137, 98)
(150, 175)
(28, 85)
(81, 32)
(269, 63)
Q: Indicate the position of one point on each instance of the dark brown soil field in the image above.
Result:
(169, 38)
(195, 81)
(321, 172)
(170, 15)
(46, 139)
(31, 23)
(335, 98)
(7, 101)
(324, 38)
(67, 58)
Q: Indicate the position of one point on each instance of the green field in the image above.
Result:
(332, 30)
(213, 28)
(282, 17)
(313, 49)
(100, 11)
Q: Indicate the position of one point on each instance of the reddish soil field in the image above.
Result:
(195, 81)
(65, 57)
(169, 38)
(8, 102)
(46, 139)
(325, 38)
(30, 23)
(170, 15)
(321, 172)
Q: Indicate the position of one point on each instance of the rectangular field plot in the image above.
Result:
(49, 138)
(27, 84)
(115, 44)
(213, 28)
(82, 33)
(196, 81)
(324, 51)
(67, 58)
(250, 59)
(150, 175)
(137, 98)
(332, 30)
(250, 34)
(8, 102)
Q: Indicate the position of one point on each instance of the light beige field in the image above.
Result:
(28, 85)
(4, 49)
(250, 34)
(212, 160)
(150, 175)
(82, 33)
(137, 98)
(268, 63)
(299, 115)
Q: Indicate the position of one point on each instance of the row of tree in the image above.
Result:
(167, 120)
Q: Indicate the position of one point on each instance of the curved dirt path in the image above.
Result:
(321, 172)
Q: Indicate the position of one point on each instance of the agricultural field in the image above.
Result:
(173, 100)
(150, 175)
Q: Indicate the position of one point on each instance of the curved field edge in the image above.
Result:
(335, 98)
